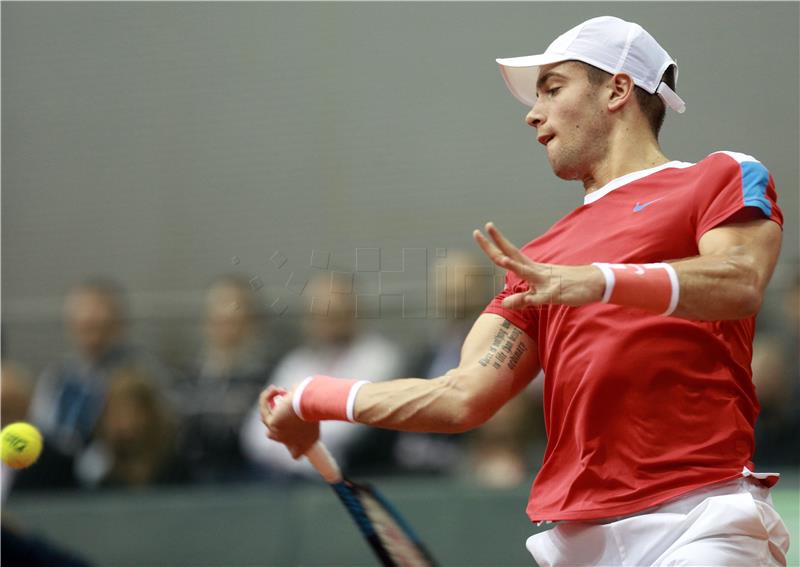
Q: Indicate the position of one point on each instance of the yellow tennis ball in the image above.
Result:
(21, 444)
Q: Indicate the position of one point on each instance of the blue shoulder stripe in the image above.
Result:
(754, 186)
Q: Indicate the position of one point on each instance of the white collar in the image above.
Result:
(629, 178)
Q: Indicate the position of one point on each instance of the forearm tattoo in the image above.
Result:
(506, 348)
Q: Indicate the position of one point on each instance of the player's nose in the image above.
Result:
(534, 117)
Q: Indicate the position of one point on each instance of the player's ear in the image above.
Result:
(620, 91)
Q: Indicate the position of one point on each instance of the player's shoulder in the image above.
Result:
(722, 167)
(727, 159)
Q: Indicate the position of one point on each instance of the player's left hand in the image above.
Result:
(283, 425)
(547, 283)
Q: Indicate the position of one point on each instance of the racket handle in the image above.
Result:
(321, 459)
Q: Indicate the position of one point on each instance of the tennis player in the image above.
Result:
(639, 306)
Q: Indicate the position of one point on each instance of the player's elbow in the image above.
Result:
(749, 302)
(468, 408)
(466, 419)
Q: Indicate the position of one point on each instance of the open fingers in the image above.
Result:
(492, 251)
(497, 256)
(518, 266)
(504, 244)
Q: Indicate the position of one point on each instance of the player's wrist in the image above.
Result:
(597, 283)
(652, 287)
(321, 397)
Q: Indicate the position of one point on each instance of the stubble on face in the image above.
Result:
(576, 116)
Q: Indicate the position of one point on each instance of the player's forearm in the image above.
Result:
(710, 287)
(497, 361)
(725, 281)
(720, 287)
(728, 279)
(412, 404)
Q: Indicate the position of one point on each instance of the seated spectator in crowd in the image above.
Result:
(776, 375)
(21, 546)
(503, 451)
(16, 387)
(15, 399)
(134, 442)
(215, 396)
(53, 470)
(69, 396)
(336, 345)
(462, 287)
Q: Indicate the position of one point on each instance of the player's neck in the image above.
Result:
(626, 154)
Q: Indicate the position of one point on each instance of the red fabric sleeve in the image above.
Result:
(731, 183)
(526, 319)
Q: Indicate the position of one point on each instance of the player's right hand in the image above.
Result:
(283, 425)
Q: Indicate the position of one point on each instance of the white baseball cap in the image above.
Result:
(608, 43)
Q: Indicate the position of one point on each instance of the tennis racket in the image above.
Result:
(389, 535)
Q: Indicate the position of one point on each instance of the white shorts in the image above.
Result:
(724, 525)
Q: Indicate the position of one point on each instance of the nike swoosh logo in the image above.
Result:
(638, 207)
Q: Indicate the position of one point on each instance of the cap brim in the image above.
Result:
(521, 73)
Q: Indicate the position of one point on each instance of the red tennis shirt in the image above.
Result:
(641, 408)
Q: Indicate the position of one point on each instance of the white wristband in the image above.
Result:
(298, 393)
(351, 399)
(644, 293)
(610, 278)
(676, 289)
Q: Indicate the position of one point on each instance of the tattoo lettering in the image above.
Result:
(505, 348)
(521, 348)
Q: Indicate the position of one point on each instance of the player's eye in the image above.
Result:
(552, 92)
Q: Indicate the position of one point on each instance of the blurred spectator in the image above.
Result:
(776, 374)
(334, 345)
(503, 450)
(15, 397)
(217, 395)
(52, 470)
(69, 396)
(16, 387)
(462, 288)
(134, 444)
(19, 546)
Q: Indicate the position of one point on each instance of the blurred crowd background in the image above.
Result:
(117, 415)
(199, 199)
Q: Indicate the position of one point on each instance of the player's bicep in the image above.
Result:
(498, 359)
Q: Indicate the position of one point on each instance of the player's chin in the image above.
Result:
(564, 171)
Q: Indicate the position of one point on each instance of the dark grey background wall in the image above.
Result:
(163, 143)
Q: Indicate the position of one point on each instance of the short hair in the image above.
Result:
(108, 288)
(651, 105)
(246, 288)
